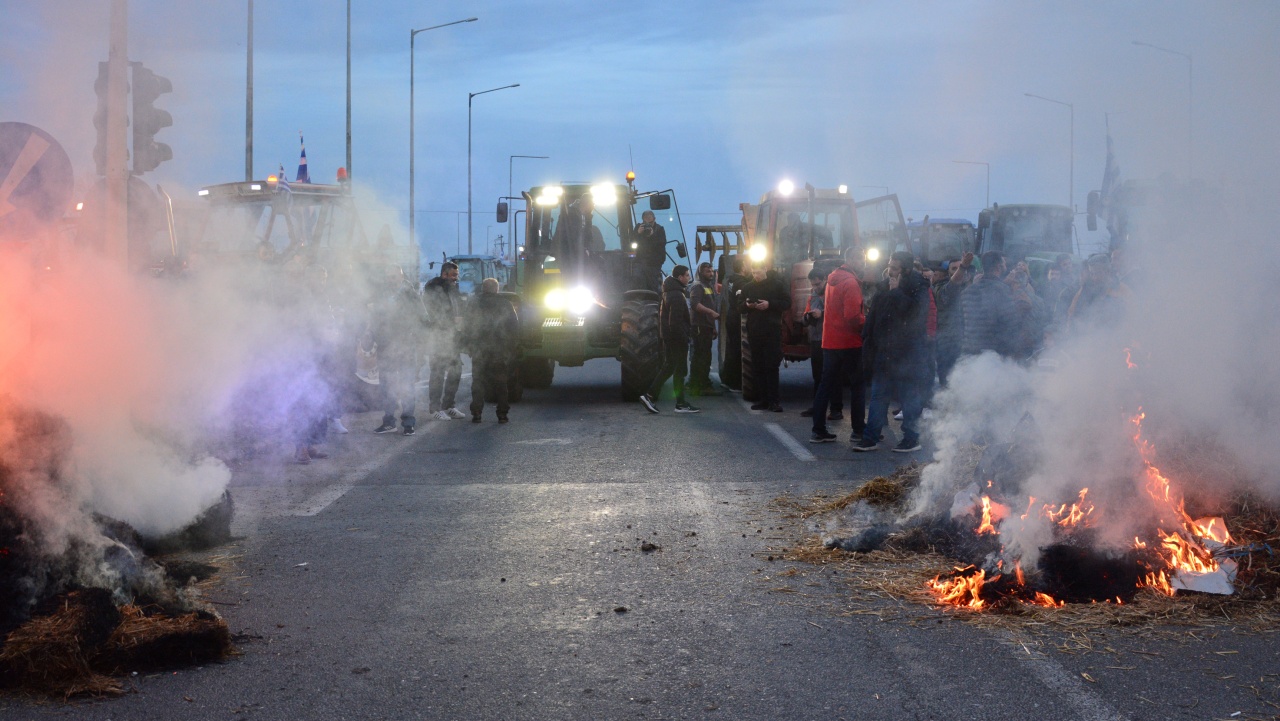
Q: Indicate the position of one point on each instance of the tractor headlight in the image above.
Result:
(873, 254)
(758, 253)
(604, 194)
(556, 300)
(579, 300)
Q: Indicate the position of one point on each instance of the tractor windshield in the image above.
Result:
(806, 229)
(1035, 231)
(881, 225)
(946, 241)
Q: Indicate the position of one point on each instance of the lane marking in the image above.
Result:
(1087, 703)
(322, 500)
(791, 443)
(545, 442)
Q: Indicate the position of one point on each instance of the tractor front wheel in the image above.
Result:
(641, 347)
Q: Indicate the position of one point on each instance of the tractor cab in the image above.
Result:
(935, 241)
(1037, 234)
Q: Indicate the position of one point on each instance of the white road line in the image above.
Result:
(1087, 704)
(791, 443)
(325, 498)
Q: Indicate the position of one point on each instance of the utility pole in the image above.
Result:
(116, 207)
(248, 102)
(348, 88)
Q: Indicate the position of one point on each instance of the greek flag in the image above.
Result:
(282, 181)
(303, 175)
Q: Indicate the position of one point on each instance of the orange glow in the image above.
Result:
(960, 591)
(985, 526)
(1017, 573)
(1072, 516)
(1128, 359)
(1044, 599)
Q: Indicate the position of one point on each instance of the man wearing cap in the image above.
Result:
(651, 249)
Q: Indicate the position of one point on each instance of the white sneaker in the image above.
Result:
(336, 425)
(897, 416)
(455, 414)
(442, 416)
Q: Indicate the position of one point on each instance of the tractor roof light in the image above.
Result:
(873, 254)
(786, 187)
(550, 195)
(843, 189)
(631, 176)
(758, 253)
(604, 194)
(203, 192)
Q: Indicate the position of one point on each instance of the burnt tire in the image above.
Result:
(747, 375)
(640, 348)
(537, 372)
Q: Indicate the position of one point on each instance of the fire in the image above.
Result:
(1072, 516)
(985, 526)
(1044, 599)
(1128, 359)
(962, 590)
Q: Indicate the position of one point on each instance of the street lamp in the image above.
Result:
(413, 238)
(470, 97)
(979, 162)
(1191, 97)
(510, 219)
(1071, 190)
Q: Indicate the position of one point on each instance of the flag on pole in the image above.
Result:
(303, 175)
(282, 181)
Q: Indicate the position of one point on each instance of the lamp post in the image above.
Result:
(470, 97)
(248, 102)
(348, 88)
(413, 238)
(979, 162)
(1191, 98)
(1071, 190)
(511, 218)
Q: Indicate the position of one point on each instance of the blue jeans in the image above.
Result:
(839, 367)
(909, 391)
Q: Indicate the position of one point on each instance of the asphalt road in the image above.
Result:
(496, 572)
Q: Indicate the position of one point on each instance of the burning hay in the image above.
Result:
(84, 640)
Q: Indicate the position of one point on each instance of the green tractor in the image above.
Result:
(1037, 234)
(586, 281)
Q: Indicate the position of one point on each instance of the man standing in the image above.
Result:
(491, 332)
(443, 308)
(987, 306)
(812, 320)
(841, 349)
(674, 327)
(396, 327)
(651, 249)
(896, 341)
(763, 301)
(731, 370)
(950, 316)
(703, 304)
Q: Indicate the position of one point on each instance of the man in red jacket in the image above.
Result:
(841, 348)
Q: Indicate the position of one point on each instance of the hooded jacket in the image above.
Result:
(674, 324)
(842, 317)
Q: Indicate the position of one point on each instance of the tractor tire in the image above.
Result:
(537, 372)
(749, 390)
(641, 347)
(515, 385)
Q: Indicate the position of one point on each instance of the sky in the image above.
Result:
(718, 101)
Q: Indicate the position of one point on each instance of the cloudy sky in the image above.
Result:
(717, 100)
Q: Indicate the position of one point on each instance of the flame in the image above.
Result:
(1044, 599)
(985, 526)
(1128, 359)
(962, 590)
(1068, 517)
(1017, 573)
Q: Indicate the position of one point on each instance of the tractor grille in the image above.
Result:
(561, 323)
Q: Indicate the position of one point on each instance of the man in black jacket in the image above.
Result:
(989, 311)
(763, 301)
(895, 339)
(444, 307)
(396, 328)
(490, 337)
(674, 326)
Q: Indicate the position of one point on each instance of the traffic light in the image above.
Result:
(148, 119)
(100, 120)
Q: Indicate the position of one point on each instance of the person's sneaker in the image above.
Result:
(455, 414)
(760, 406)
(823, 437)
(835, 416)
(863, 445)
(897, 416)
(686, 408)
(648, 403)
(336, 425)
(906, 446)
(314, 452)
(442, 416)
(301, 456)
(475, 419)
(806, 413)
(409, 431)
(776, 408)
(385, 428)
(502, 419)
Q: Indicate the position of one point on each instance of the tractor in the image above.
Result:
(585, 282)
(792, 233)
(1037, 234)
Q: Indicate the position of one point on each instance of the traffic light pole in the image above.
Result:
(115, 226)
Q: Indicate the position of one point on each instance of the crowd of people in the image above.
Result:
(891, 342)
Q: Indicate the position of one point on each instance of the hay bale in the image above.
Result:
(145, 642)
(50, 653)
